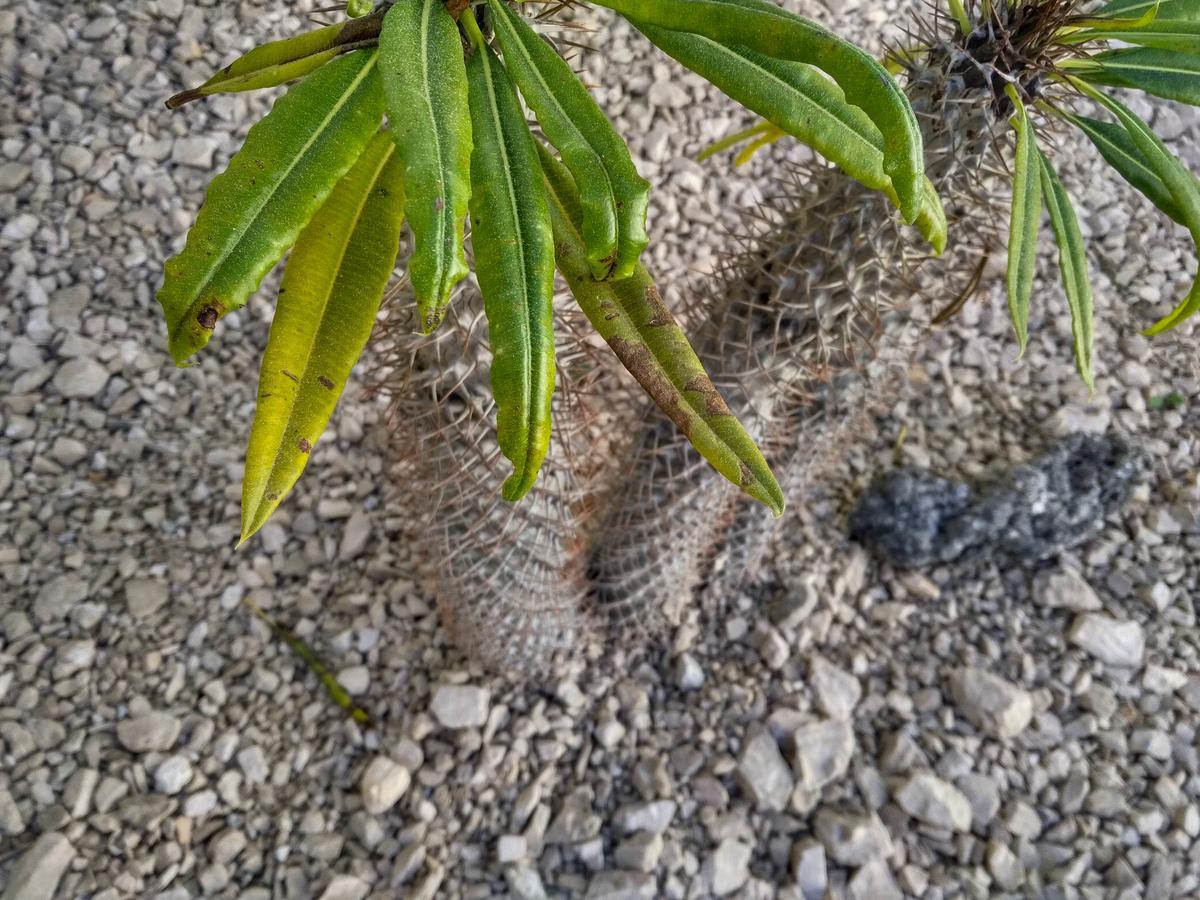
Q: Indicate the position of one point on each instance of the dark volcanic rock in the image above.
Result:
(914, 518)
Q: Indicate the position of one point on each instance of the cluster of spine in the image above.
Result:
(807, 321)
(508, 578)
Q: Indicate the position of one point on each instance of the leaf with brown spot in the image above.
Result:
(334, 280)
(652, 346)
(308, 140)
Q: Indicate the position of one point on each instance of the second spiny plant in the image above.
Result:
(792, 323)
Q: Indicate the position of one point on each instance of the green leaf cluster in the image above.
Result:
(1164, 61)
(417, 112)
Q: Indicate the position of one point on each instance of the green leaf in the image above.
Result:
(1119, 151)
(1179, 37)
(1106, 20)
(631, 316)
(332, 287)
(1173, 76)
(1167, 9)
(278, 62)
(513, 241)
(764, 28)
(255, 209)
(1179, 182)
(931, 222)
(798, 98)
(1026, 217)
(614, 197)
(425, 83)
(1072, 264)
(802, 101)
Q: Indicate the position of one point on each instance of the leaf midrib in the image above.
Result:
(526, 332)
(258, 208)
(447, 243)
(553, 99)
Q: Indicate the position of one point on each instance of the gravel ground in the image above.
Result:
(837, 728)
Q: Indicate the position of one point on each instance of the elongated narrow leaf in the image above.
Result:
(332, 287)
(614, 197)
(1072, 264)
(761, 26)
(255, 209)
(1120, 152)
(1179, 182)
(798, 98)
(1167, 9)
(513, 241)
(1026, 217)
(631, 316)
(425, 83)
(1106, 20)
(1173, 76)
(1179, 36)
(802, 101)
(282, 61)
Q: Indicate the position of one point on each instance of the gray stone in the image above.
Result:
(874, 881)
(58, 596)
(727, 869)
(983, 796)
(68, 451)
(196, 151)
(11, 821)
(226, 845)
(1004, 866)
(355, 535)
(618, 885)
(511, 848)
(1066, 590)
(153, 731)
(383, 783)
(12, 176)
(823, 751)
(345, 887)
(996, 706)
(654, 816)
(145, 596)
(253, 763)
(80, 378)
(460, 706)
(809, 869)
(524, 883)
(354, 679)
(763, 773)
(172, 774)
(851, 840)
(576, 820)
(36, 875)
(930, 800)
(640, 852)
(837, 691)
(1112, 641)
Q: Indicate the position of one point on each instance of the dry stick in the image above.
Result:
(333, 687)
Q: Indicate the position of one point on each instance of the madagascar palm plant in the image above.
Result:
(317, 176)
(631, 507)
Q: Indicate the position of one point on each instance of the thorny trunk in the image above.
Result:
(625, 534)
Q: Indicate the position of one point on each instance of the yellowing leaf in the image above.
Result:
(332, 287)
